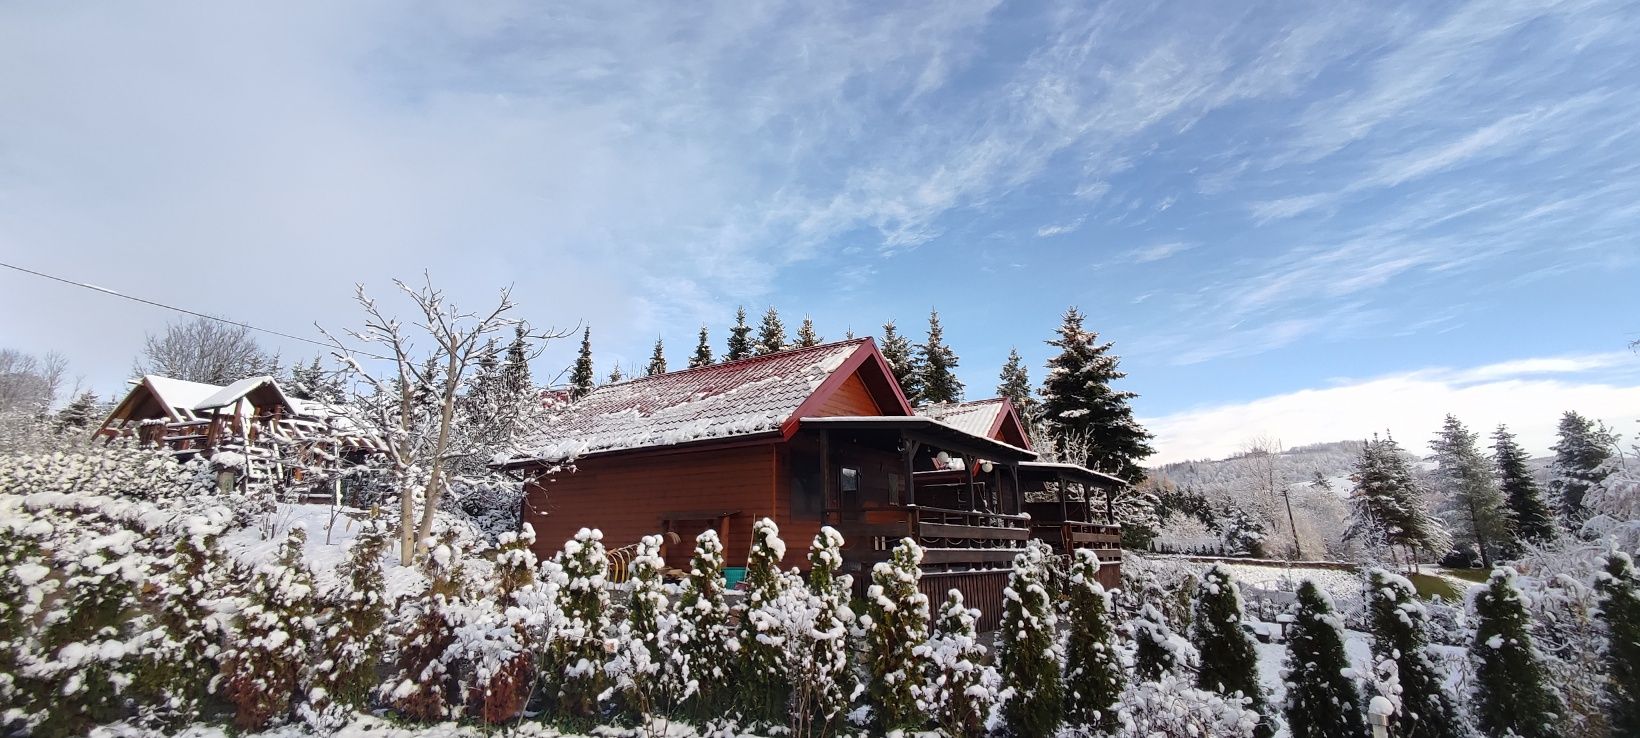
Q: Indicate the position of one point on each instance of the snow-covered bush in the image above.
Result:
(422, 688)
(818, 622)
(960, 688)
(1512, 692)
(895, 625)
(581, 642)
(273, 638)
(1424, 708)
(182, 663)
(351, 632)
(703, 643)
(763, 687)
(1619, 587)
(1157, 650)
(1322, 700)
(1171, 707)
(642, 672)
(1228, 664)
(1093, 669)
(1029, 657)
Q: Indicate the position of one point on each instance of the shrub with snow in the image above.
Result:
(1228, 664)
(1512, 692)
(1171, 707)
(1423, 709)
(763, 687)
(423, 687)
(703, 643)
(351, 631)
(959, 689)
(1093, 669)
(895, 625)
(273, 638)
(1028, 650)
(580, 644)
(1619, 587)
(643, 674)
(818, 621)
(1322, 700)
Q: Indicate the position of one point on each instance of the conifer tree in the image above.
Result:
(703, 352)
(1229, 665)
(959, 688)
(351, 639)
(273, 638)
(1387, 503)
(1322, 700)
(78, 414)
(1028, 652)
(896, 623)
(657, 360)
(1580, 455)
(1093, 669)
(1080, 405)
(1533, 521)
(515, 371)
(577, 653)
(762, 686)
(496, 639)
(704, 642)
(422, 687)
(641, 668)
(937, 365)
(581, 376)
(616, 375)
(1512, 692)
(180, 667)
(1157, 650)
(740, 338)
(897, 352)
(1474, 502)
(806, 336)
(822, 685)
(1015, 384)
(1399, 625)
(771, 334)
(1619, 587)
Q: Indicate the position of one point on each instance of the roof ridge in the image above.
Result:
(747, 360)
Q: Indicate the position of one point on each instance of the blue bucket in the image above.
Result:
(732, 576)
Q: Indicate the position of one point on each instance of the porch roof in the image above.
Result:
(1073, 471)
(928, 427)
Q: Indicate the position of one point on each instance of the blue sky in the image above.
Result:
(1253, 202)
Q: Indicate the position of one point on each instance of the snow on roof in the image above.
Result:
(1075, 468)
(975, 418)
(233, 392)
(893, 421)
(736, 398)
(180, 394)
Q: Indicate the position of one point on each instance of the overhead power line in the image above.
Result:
(185, 311)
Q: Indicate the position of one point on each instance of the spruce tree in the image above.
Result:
(577, 653)
(1093, 669)
(1015, 384)
(1157, 650)
(959, 688)
(1387, 503)
(1513, 696)
(1399, 626)
(1322, 700)
(1474, 502)
(1580, 455)
(1081, 407)
(806, 336)
(703, 352)
(79, 414)
(937, 365)
(616, 375)
(1229, 664)
(740, 338)
(763, 687)
(273, 638)
(1533, 520)
(704, 642)
(896, 624)
(581, 377)
(355, 618)
(771, 334)
(657, 360)
(515, 371)
(1619, 587)
(1028, 651)
(897, 352)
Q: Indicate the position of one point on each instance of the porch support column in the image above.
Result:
(1064, 508)
(1019, 492)
(968, 479)
(1110, 505)
(911, 448)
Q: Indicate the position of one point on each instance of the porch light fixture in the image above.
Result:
(944, 459)
(986, 466)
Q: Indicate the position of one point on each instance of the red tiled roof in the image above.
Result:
(735, 398)
(977, 417)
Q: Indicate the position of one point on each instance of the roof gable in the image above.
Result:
(993, 418)
(760, 395)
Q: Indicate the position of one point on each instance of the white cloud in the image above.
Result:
(1158, 252)
(1059, 229)
(1528, 395)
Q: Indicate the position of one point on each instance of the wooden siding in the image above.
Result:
(980, 589)
(627, 496)
(851, 398)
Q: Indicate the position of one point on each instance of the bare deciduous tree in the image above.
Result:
(207, 351)
(30, 383)
(429, 433)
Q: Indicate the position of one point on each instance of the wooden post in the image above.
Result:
(968, 479)
(1064, 507)
(1019, 492)
(911, 448)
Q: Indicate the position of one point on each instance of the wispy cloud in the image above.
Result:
(1060, 229)
(1158, 252)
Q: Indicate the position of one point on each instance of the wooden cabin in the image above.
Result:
(807, 437)
(283, 439)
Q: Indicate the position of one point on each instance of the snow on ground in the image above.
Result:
(328, 539)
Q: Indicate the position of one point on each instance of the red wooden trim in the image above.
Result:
(708, 444)
(1009, 411)
(867, 353)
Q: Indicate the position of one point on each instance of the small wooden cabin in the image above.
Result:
(807, 437)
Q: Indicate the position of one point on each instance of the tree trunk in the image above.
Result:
(1480, 536)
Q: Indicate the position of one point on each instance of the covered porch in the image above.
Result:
(1071, 507)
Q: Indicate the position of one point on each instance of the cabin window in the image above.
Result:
(850, 479)
(896, 489)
